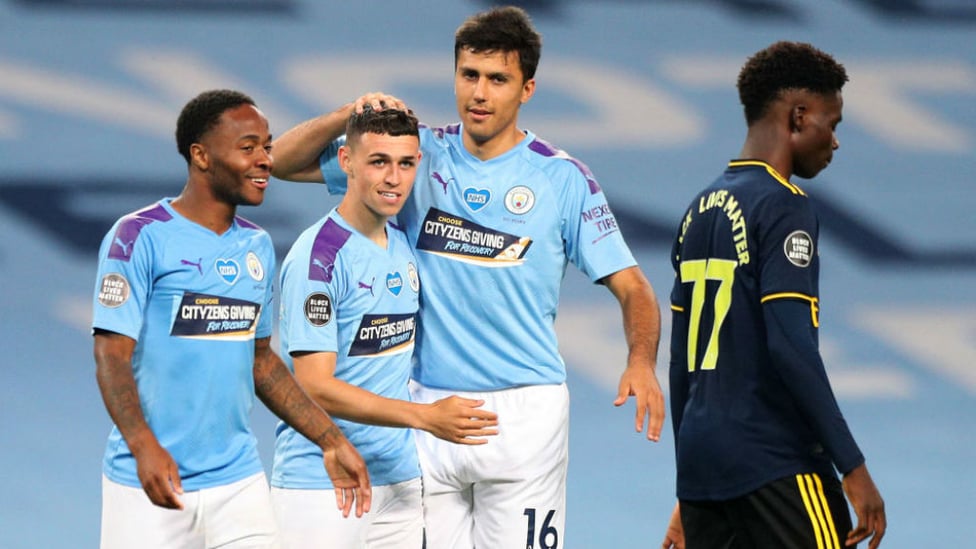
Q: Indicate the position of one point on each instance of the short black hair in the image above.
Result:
(201, 114)
(387, 121)
(785, 66)
(501, 29)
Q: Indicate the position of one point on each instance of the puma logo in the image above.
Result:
(326, 270)
(369, 286)
(126, 246)
(440, 180)
(197, 264)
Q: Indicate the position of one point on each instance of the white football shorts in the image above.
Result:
(510, 492)
(237, 515)
(310, 519)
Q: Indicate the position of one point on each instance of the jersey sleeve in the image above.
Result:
(789, 287)
(335, 178)
(266, 323)
(593, 240)
(123, 282)
(795, 355)
(309, 322)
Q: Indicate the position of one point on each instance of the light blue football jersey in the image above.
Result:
(493, 239)
(194, 301)
(342, 293)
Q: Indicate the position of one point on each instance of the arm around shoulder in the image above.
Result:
(296, 152)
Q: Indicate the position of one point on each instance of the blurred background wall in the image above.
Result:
(640, 90)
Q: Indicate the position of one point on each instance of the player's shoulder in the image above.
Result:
(557, 164)
(438, 135)
(135, 226)
(143, 217)
(764, 180)
(248, 225)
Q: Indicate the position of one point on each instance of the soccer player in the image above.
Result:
(350, 295)
(181, 343)
(757, 428)
(496, 215)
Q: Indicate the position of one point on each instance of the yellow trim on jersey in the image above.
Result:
(821, 520)
(814, 303)
(772, 171)
(677, 309)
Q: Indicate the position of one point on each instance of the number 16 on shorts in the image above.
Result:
(548, 536)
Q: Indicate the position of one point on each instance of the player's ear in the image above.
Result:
(528, 90)
(345, 163)
(199, 157)
(797, 114)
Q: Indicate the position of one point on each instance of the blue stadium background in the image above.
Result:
(642, 91)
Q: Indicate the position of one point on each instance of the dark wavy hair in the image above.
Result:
(501, 29)
(388, 121)
(786, 66)
(201, 114)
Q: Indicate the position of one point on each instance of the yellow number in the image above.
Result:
(696, 272)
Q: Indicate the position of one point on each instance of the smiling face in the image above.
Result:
(381, 169)
(236, 155)
(813, 138)
(489, 90)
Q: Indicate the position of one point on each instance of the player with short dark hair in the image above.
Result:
(349, 300)
(182, 328)
(758, 431)
(495, 217)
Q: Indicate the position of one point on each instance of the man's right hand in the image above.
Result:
(159, 475)
(349, 476)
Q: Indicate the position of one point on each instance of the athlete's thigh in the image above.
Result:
(798, 512)
(707, 525)
(520, 498)
(398, 522)
(447, 516)
(310, 519)
(129, 520)
(446, 485)
(239, 515)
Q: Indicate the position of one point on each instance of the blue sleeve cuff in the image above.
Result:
(335, 178)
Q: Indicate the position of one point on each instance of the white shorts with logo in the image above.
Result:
(309, 519)
(510, 492)
(237, 515)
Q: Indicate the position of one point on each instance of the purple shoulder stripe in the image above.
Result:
(326, 246)
(545, 149)
(130, 227)
(439, 132)
(247, 224)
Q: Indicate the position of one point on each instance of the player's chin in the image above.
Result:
(255, 198)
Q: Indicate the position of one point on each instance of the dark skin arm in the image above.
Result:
(868, 507)
(281, 393)
(156, 468)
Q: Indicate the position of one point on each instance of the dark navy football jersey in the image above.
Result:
(750, 400)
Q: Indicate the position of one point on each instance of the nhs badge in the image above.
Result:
(394, 283)
(228, 269)
(476, 198)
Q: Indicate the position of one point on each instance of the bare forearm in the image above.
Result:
(341, 399)
(296, 152)
(117, 385)
(279, 391)
(641, 318)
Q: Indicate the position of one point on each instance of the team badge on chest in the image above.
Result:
(519, 200)
(254, 267)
